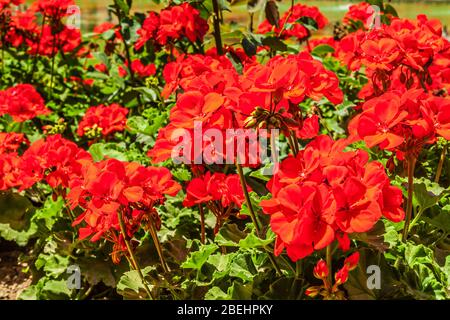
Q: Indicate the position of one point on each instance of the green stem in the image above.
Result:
(202, 224)
(274, 263)
(411, 165)
(33, 67)
(132, 257)
(247, 198)
(158, 246)
(441, 164)
(216, 22)
(298, 268)
(414, 221)
(53, 62)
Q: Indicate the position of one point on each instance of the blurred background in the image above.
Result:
(96, 11)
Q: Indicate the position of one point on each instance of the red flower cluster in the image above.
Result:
(107, 187)
(11, 141)
(406, 53)
(215, 187)
(172, 24)
(50, 37)
(361, 12)
(6, 3)
(103, 120)
(22, 102)
(48, 43)
(289, 79)
(194, 70)
(264, 96)
(324, 194)
(54, 159)
(289, 24)
(402, 122)
(221, 193)
(9, 158)
(138, 68)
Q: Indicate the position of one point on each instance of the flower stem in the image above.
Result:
(411, 165)
(158, 246)
(441, 164)
(202, 224)
(216, 22)
(329, 261)
(33, 67)
(132, 256)
(247, 198)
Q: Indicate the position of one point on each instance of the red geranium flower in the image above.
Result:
(22, 102)
(105, 119)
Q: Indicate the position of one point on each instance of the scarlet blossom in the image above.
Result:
(22, 24)
(148, 31)
(362, 12)
(6, 3)
(402, 121)
(55, 9)
(189, 70)
(22, 102)
(143, 70)
(54, 159)
(107, 187)
(9, 159)
(105, 119)
(180, 21)
(325, 192)
(221, 193)
(48, 43)
(289, 24)
(101, 67)
(271, 93)
(216, 187)
(11, 141)
(401, 55)
(9, 170)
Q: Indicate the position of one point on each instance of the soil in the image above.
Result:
(12, 280)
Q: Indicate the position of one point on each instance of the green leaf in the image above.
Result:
(242, 267)
(131, 284)
(15, 211)
(250, 44)
(123, 6)
(322, 50)
(253, 241)
(100, 151)
(388, 9)
(272, 14)
(198, 258)
(240, 291)
(274, 43)
(55, 289)
(96, 270)
(215, 293)
(229, 235)
(427, 193)
(309, 23)
(442, 220)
